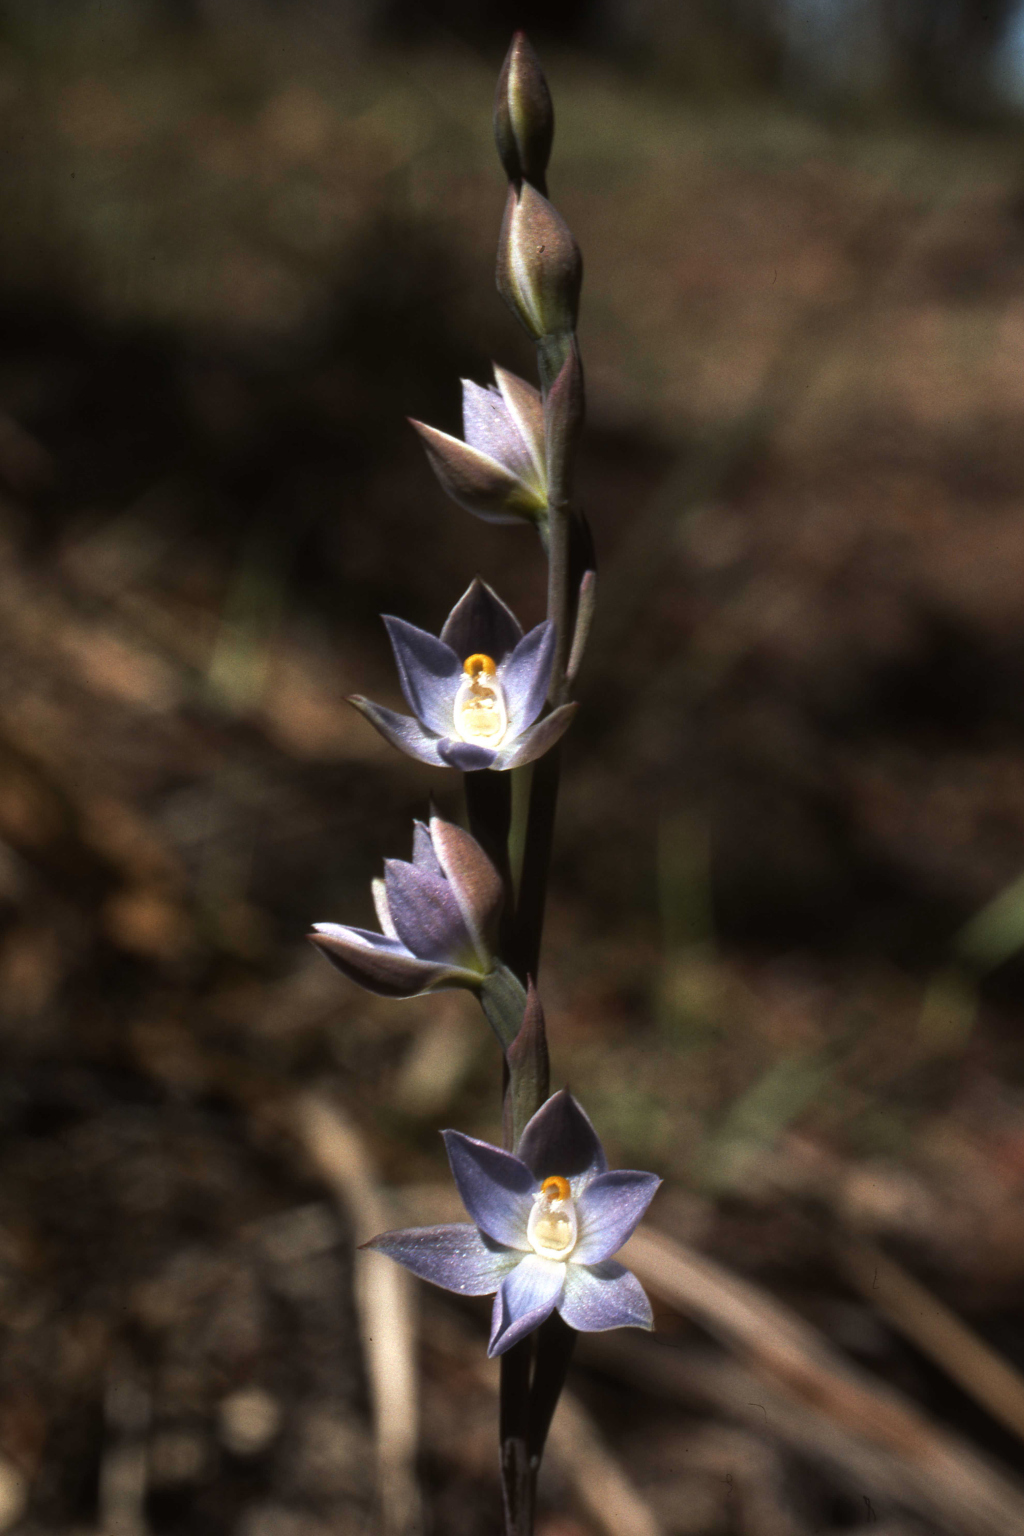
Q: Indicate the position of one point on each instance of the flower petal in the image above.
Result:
(535, 741)
(472, 880)
(423, 855)
(488, 426)
(403, 732)
(426, 914)
(480, 621)
(526, 676)
(464, 756)
(560, 1139)
(527, 411)
(496, 1188)
(608, 1210)
(602, 1296)
(429, 672)
(457, 1257)
(383, 966)
(527, 1296)
(478, 482)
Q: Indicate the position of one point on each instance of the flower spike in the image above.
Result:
(543, 1241)
(476, 691)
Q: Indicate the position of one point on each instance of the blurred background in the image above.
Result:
(239, 243)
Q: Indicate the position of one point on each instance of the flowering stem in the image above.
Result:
(522, 794)
(539, 275)
(559, 599)
(518, 1476)
(555, 1344)
(524, 955)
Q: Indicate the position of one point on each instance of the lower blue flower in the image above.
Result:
(545, 1226)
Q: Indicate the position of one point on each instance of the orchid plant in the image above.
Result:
(487, 700)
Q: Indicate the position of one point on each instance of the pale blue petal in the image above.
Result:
(403, 732)
(608, 1210)
(481, 622)
(488, 425)
(560, 1139)
(602, 1296)
(526, 676)
(537, 739)
(423, 855)
(429, 672)
(458, 1257)
(425, 913)
(527, 1296)
(496, 1188)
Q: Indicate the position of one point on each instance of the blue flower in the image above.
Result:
(547, 1222)
(476, 692)
(438, 913)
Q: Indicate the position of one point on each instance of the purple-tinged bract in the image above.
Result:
(545, 1226)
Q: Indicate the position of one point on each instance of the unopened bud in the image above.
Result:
(539, 264)
(524, 123)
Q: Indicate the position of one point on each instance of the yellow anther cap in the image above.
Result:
(477, 663)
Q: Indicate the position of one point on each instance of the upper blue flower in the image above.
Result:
(547, 1222)
(476, 692)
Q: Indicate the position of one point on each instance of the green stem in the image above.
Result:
(522, 791)
(503, 1000)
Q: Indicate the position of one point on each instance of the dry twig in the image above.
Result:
(385, 1303)
(937, 1332)
(948, 1480)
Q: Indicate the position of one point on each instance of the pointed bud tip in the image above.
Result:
(524, 121)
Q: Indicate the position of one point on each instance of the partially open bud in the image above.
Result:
(524, 123)
(478, 482)
(499, 472)
(539, 264)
